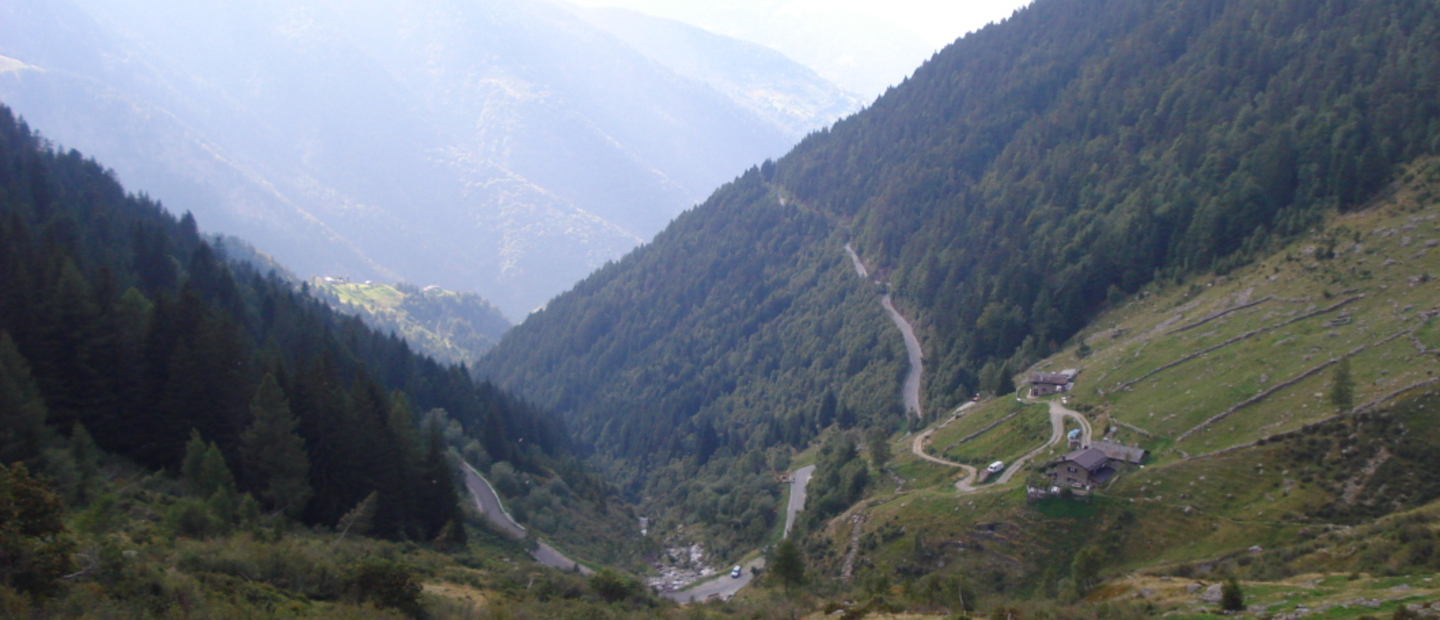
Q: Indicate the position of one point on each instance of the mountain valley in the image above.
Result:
(1116, 309)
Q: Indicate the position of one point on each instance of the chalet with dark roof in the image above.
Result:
(1047, 383)
(1081, 469)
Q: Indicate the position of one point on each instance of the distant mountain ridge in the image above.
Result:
(792, 96)
(503, 147)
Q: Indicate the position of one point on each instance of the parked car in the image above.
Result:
(996, 467)
(735, 573)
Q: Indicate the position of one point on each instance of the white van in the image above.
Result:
(996, 467)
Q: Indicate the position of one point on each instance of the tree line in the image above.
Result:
(123, 326)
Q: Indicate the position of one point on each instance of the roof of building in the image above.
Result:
(1088, 458)
(1129, 454)
(1053, 378)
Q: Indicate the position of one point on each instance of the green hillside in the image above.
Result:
(1305, 502)
(1024, 180)
(451, 327)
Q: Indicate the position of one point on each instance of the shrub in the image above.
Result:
(1232, 598)
(385, 583)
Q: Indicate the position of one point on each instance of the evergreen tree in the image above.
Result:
(1232, 598)
(1085, 569)
(879, 444)
(361, 519)
(86, 456)
(22, 411)
(438, 502)
(204, 469)
(1342, 386)
(788, 564)
(193, 464)
(273, 453)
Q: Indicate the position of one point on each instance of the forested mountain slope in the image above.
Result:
(1020, 181)
(120, 318)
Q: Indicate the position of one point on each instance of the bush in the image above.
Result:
(387, 584)
(612, 586)
(1231, 597)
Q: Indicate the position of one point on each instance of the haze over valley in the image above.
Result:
(507, 148)
(1113, 309)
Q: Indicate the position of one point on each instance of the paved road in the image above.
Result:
(1058, 413)
(722, 587)
(725, 586)
(855, 259)
(489, 504)
(798, 482)
(911, 391)
(547, 555)
(963, 485)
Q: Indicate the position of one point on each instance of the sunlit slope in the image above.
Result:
(1254, 471)
(1220, 361)
(452, 327)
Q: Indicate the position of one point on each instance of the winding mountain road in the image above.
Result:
(1058, 413)
(722, 587)
(917, 447)
(798, 482)
(725, 586)
(911, 391)
(911, 395)
(488, 502)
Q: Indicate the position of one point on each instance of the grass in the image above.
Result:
(1183, 513)
(1324, 596)
(1429, 334)
(1059, 508)
(1027, 426)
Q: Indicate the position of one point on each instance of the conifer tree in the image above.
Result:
(879, 442)
(86, 456)
(1232, 598)
(194, 460)
(204, 468)
(362, 518)
(274, 454)
(1342, 386)
(22, 411)
(788, 564)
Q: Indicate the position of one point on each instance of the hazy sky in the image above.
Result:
(938, 22)
(862, 45)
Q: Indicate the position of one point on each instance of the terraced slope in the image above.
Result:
(1254, 471)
